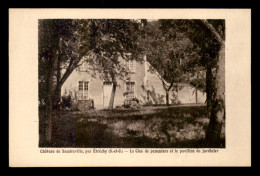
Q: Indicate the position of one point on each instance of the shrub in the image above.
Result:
(133, 103)
(148, 103)
(136, 100)
(175, 101)
(66, 101)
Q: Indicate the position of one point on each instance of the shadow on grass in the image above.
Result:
(97, 135)
(94, 131)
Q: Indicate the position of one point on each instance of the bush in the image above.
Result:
(136, 100)
(66, 101)
(175, 100)
(133, 103)
(148, 103)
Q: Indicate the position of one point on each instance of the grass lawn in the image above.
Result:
(148, 127)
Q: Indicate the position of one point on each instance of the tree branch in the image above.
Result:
(213, 30)
(169, 88)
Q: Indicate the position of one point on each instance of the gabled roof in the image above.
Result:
(156, 72)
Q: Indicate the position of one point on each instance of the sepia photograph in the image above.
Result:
(129, 87)
(131, 83)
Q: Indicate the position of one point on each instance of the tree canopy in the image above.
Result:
(180, 50)
(110, 40)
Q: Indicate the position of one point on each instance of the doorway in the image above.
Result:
(107, 90)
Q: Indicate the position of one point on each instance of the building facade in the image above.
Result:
(144, 85)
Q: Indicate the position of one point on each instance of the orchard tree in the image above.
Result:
(57, 47)
(209, 36)
(198, 83)
(65, 44)
(170, 52)
(111, 40)
(217, 115)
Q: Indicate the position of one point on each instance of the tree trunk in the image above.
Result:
(56, 98)
(209, 87)
(58, 68)
(57, 92)
(148, 95)
(196, 95)
(167, 97)
(49, 105)
(49, 102)
(218, 104)
(196, 91)
(112, 97)
(167, 89)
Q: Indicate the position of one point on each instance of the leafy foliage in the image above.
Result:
(65, 44)
(171, 52)
(133, 103)
(109, 41)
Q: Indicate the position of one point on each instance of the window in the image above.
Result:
(131, 65)
(130, 90)
(83, 90)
